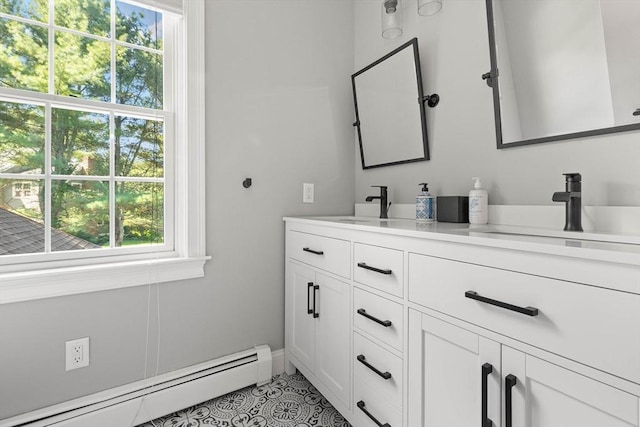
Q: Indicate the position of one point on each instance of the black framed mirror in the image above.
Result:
(563, 69)
(390, 109)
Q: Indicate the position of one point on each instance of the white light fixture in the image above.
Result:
(391, 19)
(429, 7)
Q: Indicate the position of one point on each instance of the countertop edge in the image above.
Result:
(451, 232)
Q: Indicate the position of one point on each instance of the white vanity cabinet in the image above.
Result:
(430, 326)
(319, 338)
(486, 379)
(378, 337)
(449, 368)
(460, 378)
(318, 317)
(543, 394)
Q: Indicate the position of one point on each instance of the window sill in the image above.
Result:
(32, 285)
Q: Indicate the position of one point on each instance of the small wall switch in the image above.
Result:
(307, 193)
(77, 353)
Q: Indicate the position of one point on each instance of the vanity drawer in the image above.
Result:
(594, 326)
(384, 414)
(378, 317)
(377, 369)
(378, 267)
(326, 253)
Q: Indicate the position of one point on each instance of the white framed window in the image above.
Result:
(99, 121)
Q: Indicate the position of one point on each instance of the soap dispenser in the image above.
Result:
(478, 204)
(425, 205)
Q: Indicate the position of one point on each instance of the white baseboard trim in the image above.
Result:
(277, 360)
(145, 400)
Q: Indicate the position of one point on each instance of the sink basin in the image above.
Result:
(357, 220)
(557, 234)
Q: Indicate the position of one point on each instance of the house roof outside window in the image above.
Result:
(21, 235)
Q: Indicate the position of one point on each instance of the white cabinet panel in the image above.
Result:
(377, 369)
(319, 330)
(370, 405)
(326, 253)
(303, 324)
(333, 336)
(379, 267)
(547, 395)
(368, 308)
(447, 365)
(571, 317)
(446, 387)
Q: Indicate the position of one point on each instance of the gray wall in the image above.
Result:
(454, 53)
(278, 110)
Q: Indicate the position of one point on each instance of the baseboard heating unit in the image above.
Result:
(149, 399)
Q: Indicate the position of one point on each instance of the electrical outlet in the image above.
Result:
(77, 353)
(307, 193)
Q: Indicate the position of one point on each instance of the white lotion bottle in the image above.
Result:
(478, 204)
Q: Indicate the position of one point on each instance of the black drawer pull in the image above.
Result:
(529, 311)
(309, 287)
(385, 323)
(368, 414)
(363, 360)
(377, 270)
(315, 295)
(485, 421)
(313, 252)
(509, 381)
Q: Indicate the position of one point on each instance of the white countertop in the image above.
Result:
(623, 249)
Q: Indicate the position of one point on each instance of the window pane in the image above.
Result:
(139, 213)
(79, 143)
(21, 218)
(24, 59)
(21, 138)
(38, 10)
(82, 67)
(138, 78)
(139, 26)
(79, 215)
(88, 16)
(139, 147)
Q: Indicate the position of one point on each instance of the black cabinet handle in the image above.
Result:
(529, 311)
(377, 270)
(313, 252)
(363, 360)
(363, 312)
(315, 295)
(371, 417)
(509, 382)
(309, 287)
(485, 420)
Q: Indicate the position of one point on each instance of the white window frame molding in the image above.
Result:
(187, 261)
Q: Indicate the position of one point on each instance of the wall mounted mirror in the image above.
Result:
(389, 104)
(563, 69)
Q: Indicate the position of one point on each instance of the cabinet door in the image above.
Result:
(302, 322)
(333, 336)
(455, 375)
(547, 395)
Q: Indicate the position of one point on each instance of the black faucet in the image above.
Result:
(572, 196)
(383, 200)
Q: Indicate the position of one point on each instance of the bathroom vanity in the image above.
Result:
(402, 323)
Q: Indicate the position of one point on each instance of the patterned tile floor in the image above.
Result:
(287, 401)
